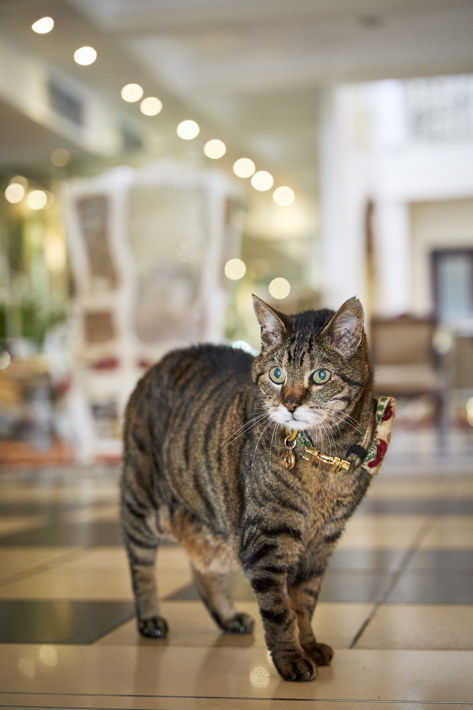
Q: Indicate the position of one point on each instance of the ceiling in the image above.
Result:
(249, 71)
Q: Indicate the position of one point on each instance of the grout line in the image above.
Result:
(213, 697)
(428, 523)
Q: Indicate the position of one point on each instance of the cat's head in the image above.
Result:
(314, 366)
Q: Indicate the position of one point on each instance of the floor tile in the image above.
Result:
(338, 586)
(461, 487)
(355, 586)
(220, 673)
(109, 512)
(93, 702)
(377, 532)
(191, 625)
(15, 492)
(417, 506)
(87, 584)
(415, 626)
(38, 507)
(442, 560)
(449, 532)
(170, 557)
(78, 534)
(99, 558)
(48, 622)
(12, 524)
(387, 560)
(400, 487)
(28, 557)
(433, 588)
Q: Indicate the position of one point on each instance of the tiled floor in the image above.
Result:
(397, 605)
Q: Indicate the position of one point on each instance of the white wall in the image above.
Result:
(436, 225)
(422, 193)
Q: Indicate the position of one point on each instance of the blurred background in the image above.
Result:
(161, 160)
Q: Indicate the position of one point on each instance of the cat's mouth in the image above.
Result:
(292, 420)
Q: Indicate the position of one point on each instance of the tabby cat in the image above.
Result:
(206, 434)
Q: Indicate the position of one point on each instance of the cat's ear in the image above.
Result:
(346, 327)
(274, 325)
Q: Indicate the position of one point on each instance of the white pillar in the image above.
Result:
(344, 195)
(393, 257)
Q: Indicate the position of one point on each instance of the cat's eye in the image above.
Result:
(277, 375)
(322, 376)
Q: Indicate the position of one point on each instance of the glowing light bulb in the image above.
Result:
(235, 269)
(244, 168)
(151, 106)
(43, 26)
(283, 196)
(187, 130)
(85, 56)
(262, 181)
(279, 288)
(215, 149)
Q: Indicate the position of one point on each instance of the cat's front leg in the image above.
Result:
(280, 625)
(304, 592)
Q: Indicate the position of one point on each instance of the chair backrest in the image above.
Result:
(462, 362)
(405, 340)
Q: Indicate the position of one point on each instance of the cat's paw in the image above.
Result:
(238, 624)
(154, 628)
(294, 666)
(320, 653)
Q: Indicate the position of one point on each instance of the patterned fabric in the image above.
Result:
(375, 441)
(384, 418)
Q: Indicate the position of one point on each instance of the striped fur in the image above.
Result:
(204, 435)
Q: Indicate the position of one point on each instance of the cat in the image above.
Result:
(208, 447)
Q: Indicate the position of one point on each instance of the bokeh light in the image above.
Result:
(283, 196)
(244, 168)
(20, 180)
(442, 341)
(131, 93)
(187, 130)
(151, 106)
(469, 411)
(215, 149)
(279, 288)
(60, 157)
(235, 269)
(85, 56)
(43, 26)
(37, 199)
(55, 253)
(14, 192)
(5, 360)
(262, 181)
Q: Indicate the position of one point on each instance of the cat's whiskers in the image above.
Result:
(344, 420)
(275, 428)
(251, 424)
(257, 443)
(327, 435)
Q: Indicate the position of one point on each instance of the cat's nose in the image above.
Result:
(291, 404)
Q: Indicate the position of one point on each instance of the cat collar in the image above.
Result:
(369, 452)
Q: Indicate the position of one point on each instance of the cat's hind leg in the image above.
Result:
(213, 590)
(141, 539)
